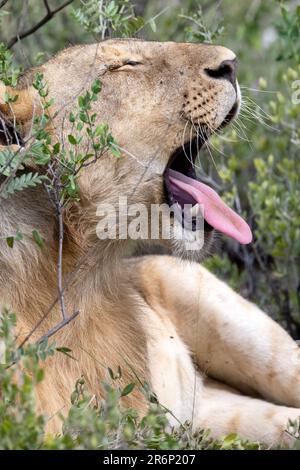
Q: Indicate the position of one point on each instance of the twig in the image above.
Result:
(58, 327)
(47, 7)
(59, 214)
(3, 3)
(49, 15)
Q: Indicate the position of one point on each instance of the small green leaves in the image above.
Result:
(9, 72)
(198, 31)
(10, 99)
(19, 183)
(39, 153)
(288, 28)
(10, 161)
(114, 16)
(84, 127)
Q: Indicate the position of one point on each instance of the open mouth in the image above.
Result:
(183, 188)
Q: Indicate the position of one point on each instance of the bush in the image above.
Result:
(258, 170)
(91, 423)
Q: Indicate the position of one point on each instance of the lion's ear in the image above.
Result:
(17, 107)
(22, 105)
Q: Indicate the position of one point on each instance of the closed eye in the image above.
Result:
(126, 65)
(133, 63)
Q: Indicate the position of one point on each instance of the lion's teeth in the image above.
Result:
(195, 210)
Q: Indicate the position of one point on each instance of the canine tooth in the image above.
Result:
(195, 210)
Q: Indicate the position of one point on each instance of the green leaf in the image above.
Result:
(229, 440)
(38, 238)
(96, 86)
(56, 148)
(10, 241)
(72, 139)
(114, 150)
(101, 129)
(66, 351)
(39, 375)
(18, 236)
(83, 116)
(128, 389)
(72, 117)
(152, 25)
(72, 182)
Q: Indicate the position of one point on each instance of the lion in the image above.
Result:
(148, 306)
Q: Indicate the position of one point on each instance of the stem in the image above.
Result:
(58, 327)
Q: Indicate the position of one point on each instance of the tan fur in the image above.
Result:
(162, 319)
(22, 109)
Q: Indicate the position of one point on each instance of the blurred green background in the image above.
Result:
(256, 162)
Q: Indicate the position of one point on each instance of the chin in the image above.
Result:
(192, 250)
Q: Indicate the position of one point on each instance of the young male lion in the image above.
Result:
(161, 317)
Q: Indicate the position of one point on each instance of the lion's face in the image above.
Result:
(161, 101)
(152, 90)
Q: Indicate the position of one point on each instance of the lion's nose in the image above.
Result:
(226, 70)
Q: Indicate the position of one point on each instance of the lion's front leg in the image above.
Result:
(231, 339)
(205, 403)
(224, 411)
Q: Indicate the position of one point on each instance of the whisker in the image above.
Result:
(183, 140)
(242, 87)
(252, 116)
(250, 100)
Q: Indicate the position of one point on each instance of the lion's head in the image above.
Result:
(161, 102)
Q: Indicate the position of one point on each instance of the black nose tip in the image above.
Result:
(226, 70)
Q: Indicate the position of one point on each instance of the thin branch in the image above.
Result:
(49, 15)
(59, 215)
(4, 2)
(47, 6)
(59, 262)
(58, 327)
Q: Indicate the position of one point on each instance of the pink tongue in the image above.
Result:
(216, 212)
